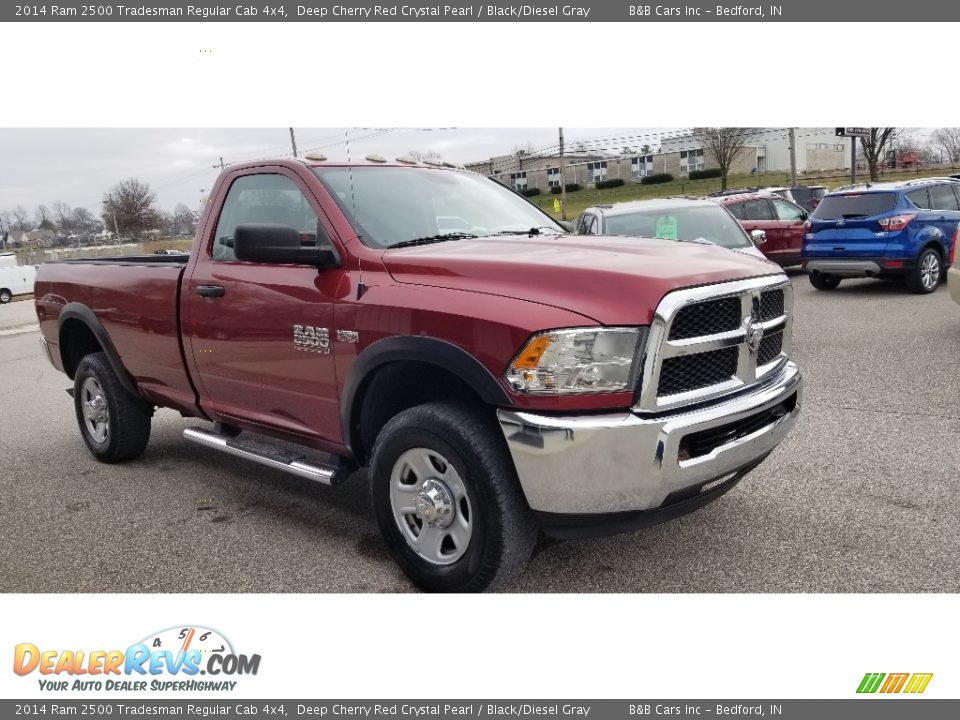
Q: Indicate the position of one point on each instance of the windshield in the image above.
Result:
(696, 223)
(853, 205)
(392, 205)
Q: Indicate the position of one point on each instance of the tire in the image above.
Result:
(5, 296)
(823, 281)
(114, 424)
(926, 276)
(491, 530)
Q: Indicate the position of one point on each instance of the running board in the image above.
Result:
(271, 456)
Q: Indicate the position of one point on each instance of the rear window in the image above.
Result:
(696, 223)
(853, 205)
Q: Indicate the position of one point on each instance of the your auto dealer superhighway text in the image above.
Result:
(422, 11)
(484, 709)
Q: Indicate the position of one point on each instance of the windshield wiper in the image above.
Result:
(429, 239)
(531, 231)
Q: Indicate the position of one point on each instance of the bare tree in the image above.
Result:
(947, 140)
(874, 146)
(19, 215)
(43, 218)
(432, 156)
(83, 221)
(181, 219)
(724, 145)
(62, 211)
(130, 207)
(523, 150)
(645, 150)
(416, 154)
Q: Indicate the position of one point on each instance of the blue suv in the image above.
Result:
(906, 229)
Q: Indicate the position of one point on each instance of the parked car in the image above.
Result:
(953, 277)
(898, 229)
(496, 380)
(806, 196)
(681, 219)
(784, 223)
(16, 280)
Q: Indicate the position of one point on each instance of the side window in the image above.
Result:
(737, 210)
(266, 198)
(758, 209)
(942, 198)
(919, 198)
(787, 212)
(581, 227)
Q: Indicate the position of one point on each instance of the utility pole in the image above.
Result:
(220, 165)
(793, 157)
(563, 182)
(853, 161)
(293, 142)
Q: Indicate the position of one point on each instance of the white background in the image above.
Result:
(496, 75)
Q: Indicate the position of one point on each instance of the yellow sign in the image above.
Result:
(556, 205)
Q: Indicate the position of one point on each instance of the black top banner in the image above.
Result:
(425, 11)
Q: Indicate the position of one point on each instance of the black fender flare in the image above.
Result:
(80, 312)
(417, 348)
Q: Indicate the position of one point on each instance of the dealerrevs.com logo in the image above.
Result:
(893, 683)
(179, 658)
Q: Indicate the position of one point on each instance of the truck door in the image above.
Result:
(259, 335)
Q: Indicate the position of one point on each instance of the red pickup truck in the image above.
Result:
(497, 375)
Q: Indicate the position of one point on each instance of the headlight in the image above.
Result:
(577, 361)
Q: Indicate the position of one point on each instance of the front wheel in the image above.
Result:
(925, 277)
(447, 500)
(114, 424)
(823, 281)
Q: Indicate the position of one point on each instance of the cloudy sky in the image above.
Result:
(77, 166)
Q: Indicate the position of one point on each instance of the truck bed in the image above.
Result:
(136, 300)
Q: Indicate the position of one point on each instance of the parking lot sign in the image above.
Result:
(853, 132)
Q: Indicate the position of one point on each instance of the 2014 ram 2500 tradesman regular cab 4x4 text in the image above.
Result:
(496, 374)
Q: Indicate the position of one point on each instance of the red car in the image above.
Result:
(496, 374)
(785, 223)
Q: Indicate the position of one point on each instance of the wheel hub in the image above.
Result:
(435, 506)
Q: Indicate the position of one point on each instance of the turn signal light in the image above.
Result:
(529, 357)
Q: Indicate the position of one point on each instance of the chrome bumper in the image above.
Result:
(629, 462)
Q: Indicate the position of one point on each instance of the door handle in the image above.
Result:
(211, 291)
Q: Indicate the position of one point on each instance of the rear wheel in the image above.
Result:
(926, 276)
(823, 281)
(114, 424)
(5, 296)
(447, 500)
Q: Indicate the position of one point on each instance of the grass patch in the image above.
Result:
(579, 201)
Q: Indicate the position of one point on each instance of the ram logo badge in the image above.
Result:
(311, 339)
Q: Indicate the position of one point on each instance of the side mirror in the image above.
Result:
(804, 215)
(759, 237)
(567, 225)
(282, 244)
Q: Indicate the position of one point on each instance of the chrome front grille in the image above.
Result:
(706, 318)
(713, 340)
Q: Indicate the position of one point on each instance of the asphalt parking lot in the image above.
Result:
(863, 497)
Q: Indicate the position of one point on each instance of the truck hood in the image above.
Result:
(612, 280)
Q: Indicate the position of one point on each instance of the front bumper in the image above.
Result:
(628, 462)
